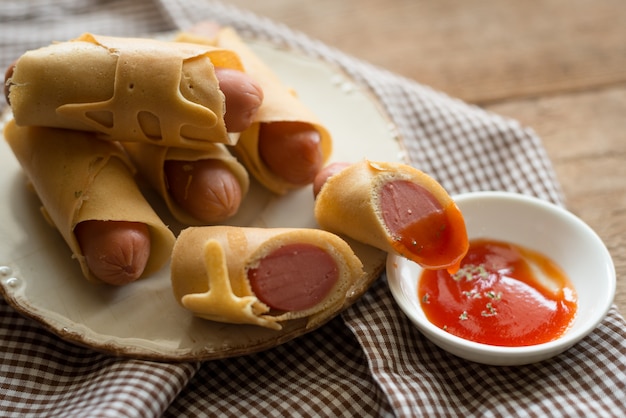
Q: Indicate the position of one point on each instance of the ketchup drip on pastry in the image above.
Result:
(421, 226)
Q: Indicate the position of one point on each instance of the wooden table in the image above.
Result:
(557, 66)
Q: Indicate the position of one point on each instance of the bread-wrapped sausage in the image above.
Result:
(286, 145)
(396, 208)
(81, 182)
(125, 89)
(262, 276)
(195, 196)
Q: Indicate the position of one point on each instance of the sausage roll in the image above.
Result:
(80, 178)
(396, 208)
(262, 276)
(125, 89)
(150, 161)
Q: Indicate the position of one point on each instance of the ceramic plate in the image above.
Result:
(143, 320)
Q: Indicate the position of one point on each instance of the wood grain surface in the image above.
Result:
(557, 66)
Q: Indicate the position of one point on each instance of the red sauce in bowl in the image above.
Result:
(503, 294)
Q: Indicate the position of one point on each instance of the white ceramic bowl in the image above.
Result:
(535, 224)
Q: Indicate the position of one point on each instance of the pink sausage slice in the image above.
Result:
(420, 224)
(404, 203)
(294, 277)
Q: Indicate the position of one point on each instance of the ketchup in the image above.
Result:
(503, 294)
(425, 231)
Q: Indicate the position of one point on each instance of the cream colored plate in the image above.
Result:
(143, 320)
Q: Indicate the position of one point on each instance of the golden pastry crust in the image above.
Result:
(210, 267)
(125, 89)
(280, 104)
(74, 175)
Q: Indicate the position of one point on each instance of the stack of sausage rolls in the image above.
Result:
(193, 118)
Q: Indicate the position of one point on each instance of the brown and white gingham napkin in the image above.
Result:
(370, 361)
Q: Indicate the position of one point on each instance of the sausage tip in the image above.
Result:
(206, 189)
(243, 98)
(291, 150)
(116, 252)
(325, 173)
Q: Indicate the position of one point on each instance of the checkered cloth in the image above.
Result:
(370, 361)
